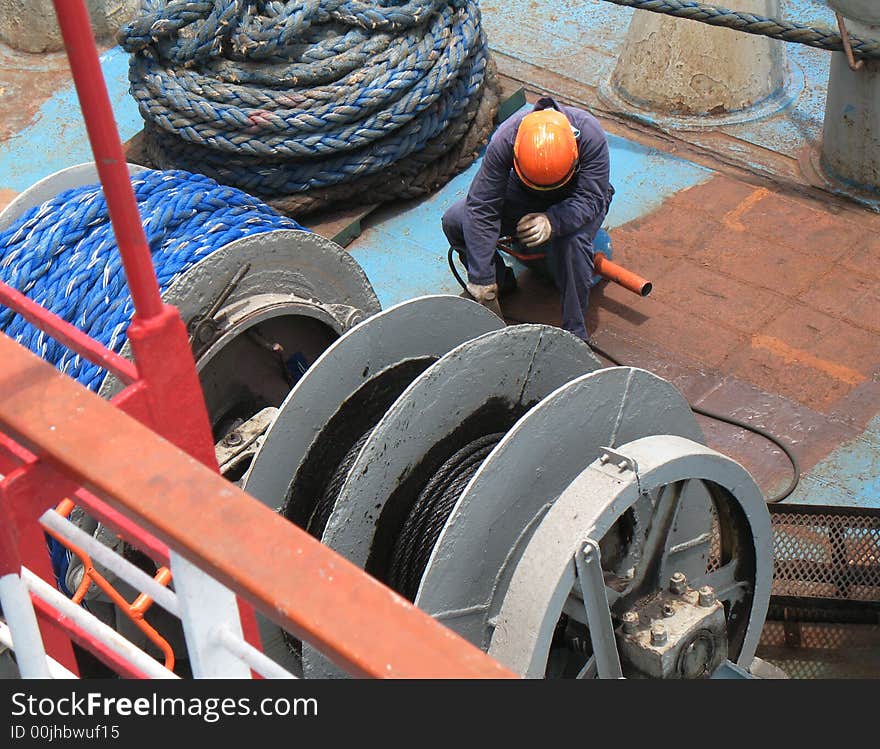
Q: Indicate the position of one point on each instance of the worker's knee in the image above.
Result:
(574, 249)
(452, 221)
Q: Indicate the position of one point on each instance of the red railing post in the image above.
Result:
(157, 334)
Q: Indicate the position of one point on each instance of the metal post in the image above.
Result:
(206, 606)
(19, 613)
(589, 571)
(73, 18)
(851, 137)
(157, 334)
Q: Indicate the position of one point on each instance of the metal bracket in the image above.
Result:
(616, 464)
(204, 328)
(618, 460)
(588, 562)
(242, 441)
(847, 45)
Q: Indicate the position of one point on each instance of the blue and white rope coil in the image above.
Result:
(63, 255)
(280, 98)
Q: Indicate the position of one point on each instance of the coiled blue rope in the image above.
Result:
(286, 97)
(63, 254)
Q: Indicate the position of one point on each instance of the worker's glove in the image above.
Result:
(485, 295)
(533, 229)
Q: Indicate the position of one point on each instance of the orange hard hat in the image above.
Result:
(545, 151)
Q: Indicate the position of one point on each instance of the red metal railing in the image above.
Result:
(163, 387)
(291, 578)
(58, 440)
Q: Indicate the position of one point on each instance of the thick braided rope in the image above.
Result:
(776, 28)
(441, 157)
(63, 254)
(283, 177)
(282, 98)
(315, 132)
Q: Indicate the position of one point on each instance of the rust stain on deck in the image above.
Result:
(792, 355)
(733, 219)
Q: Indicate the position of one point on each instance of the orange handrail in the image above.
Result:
(295, 581)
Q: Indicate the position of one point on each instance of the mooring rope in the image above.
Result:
(751, 23)
(296, 98)
(63, 255)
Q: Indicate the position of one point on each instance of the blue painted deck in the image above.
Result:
(403, 251)
(849, 476)
(58, 134)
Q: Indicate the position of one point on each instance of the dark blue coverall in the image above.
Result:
(497, 200)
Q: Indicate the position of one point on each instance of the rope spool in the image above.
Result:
(63, 254)
(309, 103)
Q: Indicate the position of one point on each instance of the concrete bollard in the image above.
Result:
(30, 25)
(681, 68)
(851, 135)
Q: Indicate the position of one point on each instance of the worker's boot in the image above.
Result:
(485, 295)
(506, 282)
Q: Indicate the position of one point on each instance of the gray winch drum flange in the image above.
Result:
(375, 346)
(482, 386)
(420, 329)
(587, 510)
(470, 566)
(292, 273)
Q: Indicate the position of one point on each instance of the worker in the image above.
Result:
(545, 181)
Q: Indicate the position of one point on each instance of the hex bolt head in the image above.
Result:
(678, 583)
(706, 596)
(630, 622)
(232, 439)
(668, 610)
(658, 634)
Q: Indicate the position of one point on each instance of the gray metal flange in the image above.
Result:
(344, 393)
(468, 571)
(481, 387)
(290, 289)
(580, 551)
(417, 330)
(48, 187)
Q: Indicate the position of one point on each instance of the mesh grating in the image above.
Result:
(824, 617)
(831, 554)
(714, 560)
(822, 650)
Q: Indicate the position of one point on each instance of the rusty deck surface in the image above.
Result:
(765, 292)
(766, 307)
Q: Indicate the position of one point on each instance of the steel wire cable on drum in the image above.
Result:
(63, 255)
(430, 511)
(327, 501)
(288, 99)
